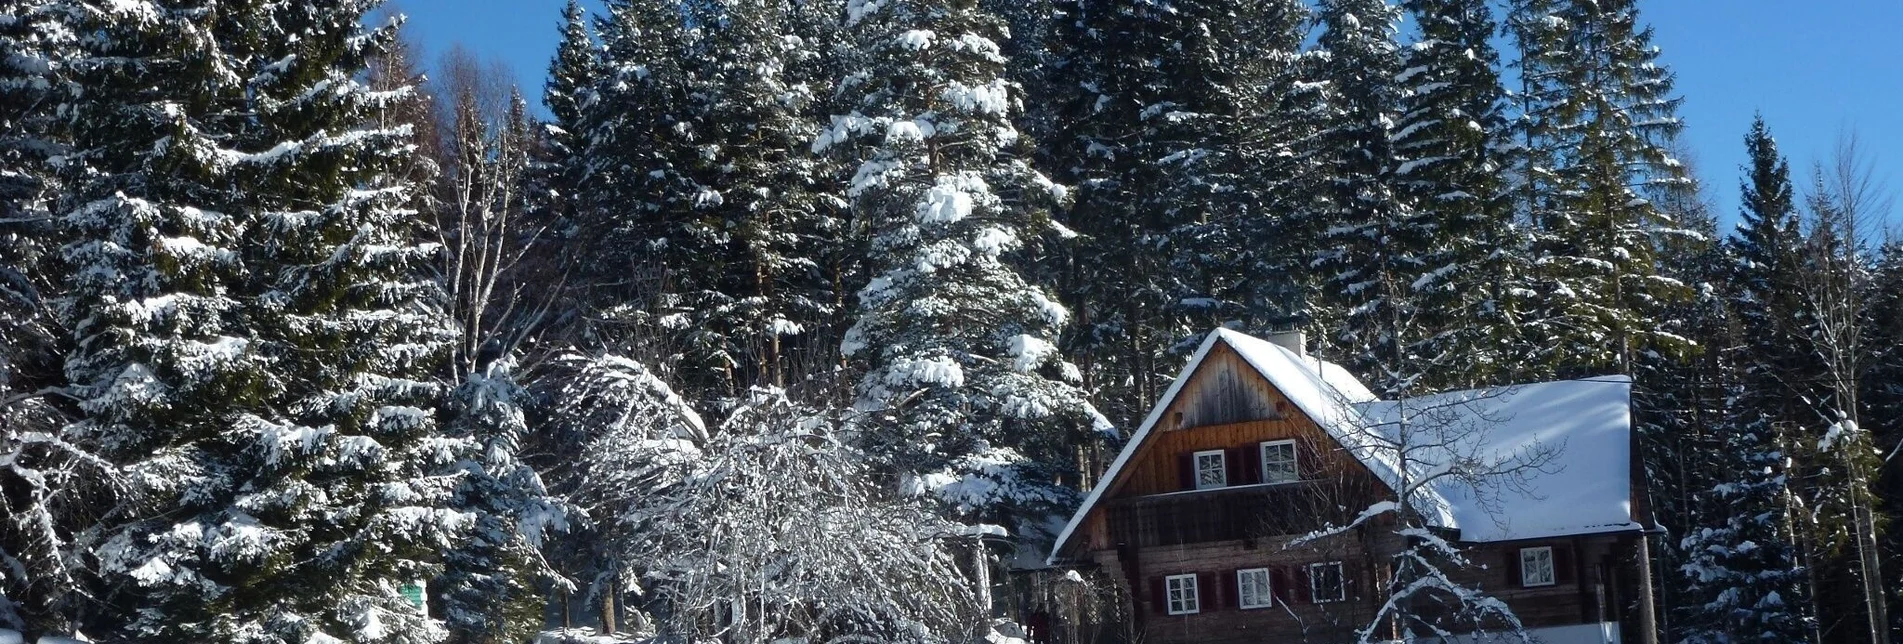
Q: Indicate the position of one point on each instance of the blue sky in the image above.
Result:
(1815, 68)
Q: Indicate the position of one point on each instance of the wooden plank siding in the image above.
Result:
(1225, 404)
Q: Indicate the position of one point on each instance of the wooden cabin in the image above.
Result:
(1199, 518)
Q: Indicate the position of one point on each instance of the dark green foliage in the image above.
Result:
(255, 343)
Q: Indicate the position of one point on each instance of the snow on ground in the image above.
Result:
(14, 637)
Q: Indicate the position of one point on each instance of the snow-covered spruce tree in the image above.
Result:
(966, 394)
(1374, 243)
(1453, 134)
(50, 484)
(1599, 115)
(594, 413)
(745, 280)
(255, 341)
(774, 528)
(1160, 114)
(1710, 446)
(555, 176)
(630, 175)
(491, 586)
(1746, 579)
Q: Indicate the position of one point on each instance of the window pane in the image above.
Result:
(1536, 566)
(1254, 588)
(1182, 594)
(1278, 463)
(1325, 582)
(1210, 472)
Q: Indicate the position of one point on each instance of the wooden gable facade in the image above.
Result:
(1208, 559)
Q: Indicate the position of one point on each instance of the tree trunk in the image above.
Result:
(608, 608)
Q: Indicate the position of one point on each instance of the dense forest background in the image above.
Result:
(790, 305)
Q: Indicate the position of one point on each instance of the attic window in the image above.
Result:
(1278, 462)
(1177, 421)
(1211, 471)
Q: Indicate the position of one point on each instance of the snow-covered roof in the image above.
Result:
(1584, 488)
(1583, 428)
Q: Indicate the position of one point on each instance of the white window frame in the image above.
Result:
(1265, 589)
(1295, 459)
(1196, 461)
(1182, 598)
(1551, 568)
(1341, 583)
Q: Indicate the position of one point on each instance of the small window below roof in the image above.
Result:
(1211, 470)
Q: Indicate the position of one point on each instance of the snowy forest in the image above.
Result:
(813, 320)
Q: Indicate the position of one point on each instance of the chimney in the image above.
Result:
(1295, 341)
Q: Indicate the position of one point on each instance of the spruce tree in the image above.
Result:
(555, 185)
(1453, 134)
(967, 393)
(1745, 578)
(1167, 125)
(491, 586)
(51, 486)
(631, 181)
(255, 343)
(744, 262)
(1373, 242)
(1599, 116)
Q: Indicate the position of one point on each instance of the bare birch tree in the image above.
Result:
(1847, 202)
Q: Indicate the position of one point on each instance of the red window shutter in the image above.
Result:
(1304, 587)
(1245, 465)
(1281, 585)
(1159, 596)
(1563, 564)
(1209, 595)
(1232, 586)
(1513, 568)
(1186, 468)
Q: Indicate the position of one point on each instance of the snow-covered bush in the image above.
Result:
(772, 528)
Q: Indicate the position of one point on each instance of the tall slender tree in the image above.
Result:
(1746, 578)
(1170, 120)
(967, 394)
(50, 483)
(1600, 111)
(1453, 134)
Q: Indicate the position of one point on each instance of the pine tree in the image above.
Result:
(1454, 137)
(1373, 240)
(631, 179)
(744, 263)
(1598, 118)
(1745, 578)
(51, 485)
(554, 186)
(492, 579)
(967, 392)
(255, 343)
(1157, 100)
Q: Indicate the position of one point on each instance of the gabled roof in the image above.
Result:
(1585, 490)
